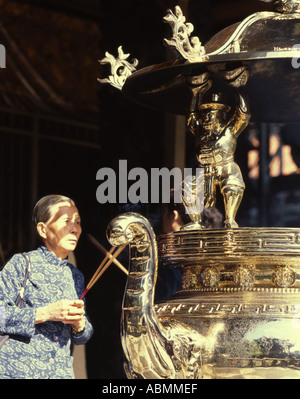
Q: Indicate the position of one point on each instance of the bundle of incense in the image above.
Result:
(102, 249)
(107, 261)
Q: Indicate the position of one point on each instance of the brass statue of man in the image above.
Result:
(216, 139)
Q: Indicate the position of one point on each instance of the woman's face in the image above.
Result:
(63, 229)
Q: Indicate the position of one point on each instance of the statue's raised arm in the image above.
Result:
(238, 79)
(216, 139)
(198, 85)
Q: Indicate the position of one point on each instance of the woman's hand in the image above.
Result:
(67, 311)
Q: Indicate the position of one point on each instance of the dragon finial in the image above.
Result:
(121, 69)
(186, 47)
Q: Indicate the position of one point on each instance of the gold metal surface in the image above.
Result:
(237, 314)
(216, 140)
(153, 348)
(192, 199)
(288, 6)
(264, 42)
(234, 260)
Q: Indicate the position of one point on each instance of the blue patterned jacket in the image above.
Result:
(38, 351)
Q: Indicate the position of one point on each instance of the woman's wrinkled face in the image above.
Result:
(63, 229)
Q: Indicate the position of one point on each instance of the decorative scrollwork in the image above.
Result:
(210, 277)
(189, 48)
(121, 69)
(283, 276)
(189, 279)
(244, 276)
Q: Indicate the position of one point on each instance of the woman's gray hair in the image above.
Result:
(42, 209)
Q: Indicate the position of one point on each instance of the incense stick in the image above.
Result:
(107, 261)
(102, 264)
(102, 249)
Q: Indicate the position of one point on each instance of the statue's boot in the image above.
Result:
(232, 199)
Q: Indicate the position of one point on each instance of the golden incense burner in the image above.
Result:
(237, 315)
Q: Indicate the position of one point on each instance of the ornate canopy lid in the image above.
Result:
(268, 43)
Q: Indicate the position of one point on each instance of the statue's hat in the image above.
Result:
(215, 103)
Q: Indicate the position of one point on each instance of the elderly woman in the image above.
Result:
(42, 332)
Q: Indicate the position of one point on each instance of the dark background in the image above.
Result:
(58, 126)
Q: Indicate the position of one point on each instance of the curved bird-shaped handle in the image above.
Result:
(153, 349)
